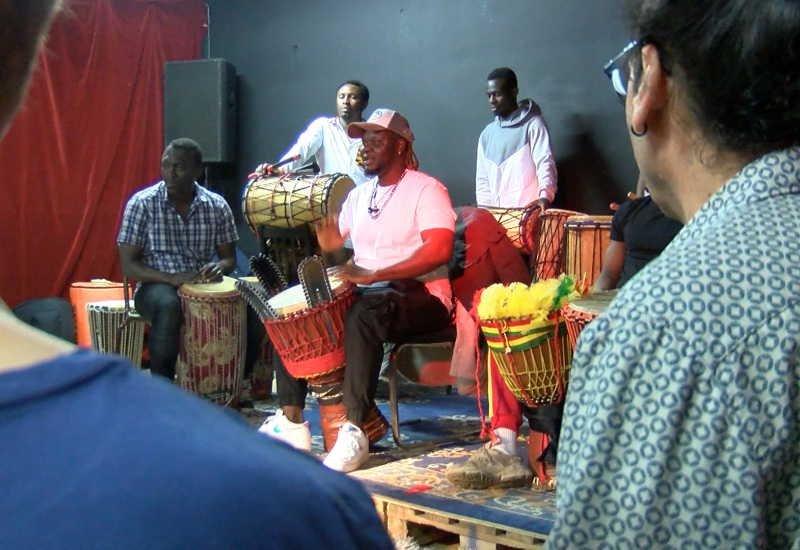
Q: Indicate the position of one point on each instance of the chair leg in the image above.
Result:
(395, 420)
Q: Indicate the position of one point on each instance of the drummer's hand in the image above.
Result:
(359, 275)
(210, 273)
(267, 170)
(328, 236)
(177, 279)
(544, 204)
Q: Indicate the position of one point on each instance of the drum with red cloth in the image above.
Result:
(584, 310)
(213, 340)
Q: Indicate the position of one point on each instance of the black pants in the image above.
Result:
(547, 420)
(378, 315)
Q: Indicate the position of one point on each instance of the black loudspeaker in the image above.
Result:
(200, 103)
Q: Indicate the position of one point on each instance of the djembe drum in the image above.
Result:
(294, 199)
(213, 339)
(532, 357)
(105, 317)
(584, 310)
(310, 341)
(588, 238)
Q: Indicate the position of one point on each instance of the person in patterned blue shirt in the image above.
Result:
(169, 235)
(682, 419)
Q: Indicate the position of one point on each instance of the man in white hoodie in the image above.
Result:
(515, 161)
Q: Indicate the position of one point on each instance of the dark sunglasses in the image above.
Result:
(619, 70)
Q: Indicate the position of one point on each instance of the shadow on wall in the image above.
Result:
(585, 179)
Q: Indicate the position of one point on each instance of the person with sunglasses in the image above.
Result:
(682, 421)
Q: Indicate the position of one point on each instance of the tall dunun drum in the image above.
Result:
(294, 199)
(213, 340)
(588, 238)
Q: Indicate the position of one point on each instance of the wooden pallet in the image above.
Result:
(425, 525)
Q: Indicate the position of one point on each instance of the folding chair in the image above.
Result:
(425, 361)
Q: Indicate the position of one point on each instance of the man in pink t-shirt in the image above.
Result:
(402, 226)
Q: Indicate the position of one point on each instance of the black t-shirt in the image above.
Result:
(644, 230)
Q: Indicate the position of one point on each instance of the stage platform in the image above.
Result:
(410, 489)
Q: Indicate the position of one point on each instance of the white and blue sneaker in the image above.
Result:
(280, 427)
(351, 450)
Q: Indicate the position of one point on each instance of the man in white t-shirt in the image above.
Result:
(326, 140)
(402, 226)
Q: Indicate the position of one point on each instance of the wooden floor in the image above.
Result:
(432, 529)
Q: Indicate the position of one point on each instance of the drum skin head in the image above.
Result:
(293, 300)
(337, 193)
(222, 289)
(594, 303)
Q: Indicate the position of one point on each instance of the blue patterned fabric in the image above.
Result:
(682, 419)
(169, 244)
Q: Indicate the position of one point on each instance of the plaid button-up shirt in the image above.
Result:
(171, 245)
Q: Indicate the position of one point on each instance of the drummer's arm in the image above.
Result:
(436, 250)
(214, 271)
(130, 258)
(612, 266)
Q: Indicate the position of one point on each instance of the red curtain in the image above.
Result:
(90, 133)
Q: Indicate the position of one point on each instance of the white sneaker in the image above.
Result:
(351, 450)
(280, 427)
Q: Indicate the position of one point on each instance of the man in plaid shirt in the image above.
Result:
(170, 233)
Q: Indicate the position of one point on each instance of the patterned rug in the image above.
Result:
(418, 477)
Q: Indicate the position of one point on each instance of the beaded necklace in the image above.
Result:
(374, 209)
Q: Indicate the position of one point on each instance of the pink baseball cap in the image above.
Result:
(382, 119)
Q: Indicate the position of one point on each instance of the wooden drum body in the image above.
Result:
(588, 238)
(213, 340)
(105, 317)
(584, 310)
(294, 199)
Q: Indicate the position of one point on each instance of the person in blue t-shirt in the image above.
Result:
(98, 455)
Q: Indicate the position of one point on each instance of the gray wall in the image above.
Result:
(429, 60)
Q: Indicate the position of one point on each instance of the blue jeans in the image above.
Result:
(160, 305)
